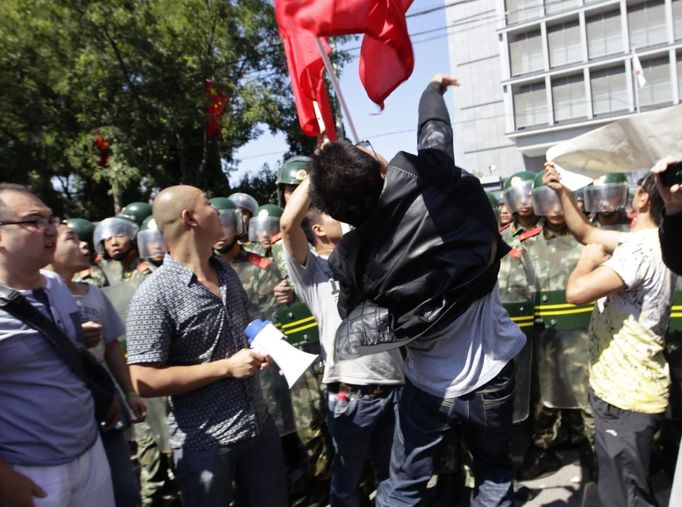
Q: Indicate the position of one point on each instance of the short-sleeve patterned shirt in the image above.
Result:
(175, 320)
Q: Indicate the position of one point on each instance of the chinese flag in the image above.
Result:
(217, 93)
(306, 72)
(386, 58)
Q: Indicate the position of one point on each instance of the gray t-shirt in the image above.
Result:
(468, 353)
(46, 411)
(94, 306)
(320, 292)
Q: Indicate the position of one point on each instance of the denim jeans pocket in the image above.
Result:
(500, 389)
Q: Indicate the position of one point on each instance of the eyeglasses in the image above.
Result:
(366, 145)
(42, 223)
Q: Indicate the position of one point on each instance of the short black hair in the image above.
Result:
(345, 182)
(656, 203)
(312, 217)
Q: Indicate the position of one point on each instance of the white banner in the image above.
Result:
(626, 145)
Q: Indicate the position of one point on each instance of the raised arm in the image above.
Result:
(576, 222)
(434, 130)
(293, 237)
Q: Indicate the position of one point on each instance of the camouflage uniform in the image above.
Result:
(517, 296)
(93, 275)
(116, 272)
(622, 225)
(561, 348)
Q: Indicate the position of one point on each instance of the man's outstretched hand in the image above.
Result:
(445, 81)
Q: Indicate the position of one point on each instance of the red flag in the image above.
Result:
(103, 148)
(306, 70)
(386, 58)
(217, 93)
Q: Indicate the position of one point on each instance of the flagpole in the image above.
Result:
(633, 55)
(337, 89)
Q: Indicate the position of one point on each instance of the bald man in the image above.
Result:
(185, 340)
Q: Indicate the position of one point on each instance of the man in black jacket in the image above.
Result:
(420, 269)
(670, 231)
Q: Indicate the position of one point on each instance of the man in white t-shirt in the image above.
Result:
(361, 392)
(629, 375)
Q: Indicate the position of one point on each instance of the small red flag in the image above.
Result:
(386, 57)
(103, 148)
(217, 93)
(306, 72)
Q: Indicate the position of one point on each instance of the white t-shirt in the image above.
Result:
(319, 290)
(467, 354)
(627, 330)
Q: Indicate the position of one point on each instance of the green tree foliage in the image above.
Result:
(261, 185)
(133, 72)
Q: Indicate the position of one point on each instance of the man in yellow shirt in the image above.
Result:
(629, 375)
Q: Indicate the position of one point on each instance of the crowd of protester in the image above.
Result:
(448, 322)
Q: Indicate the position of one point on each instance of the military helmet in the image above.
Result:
(83, 229)
(137, 211)
(518, 190)
(607, 193)
(150, 242)
(244, 202)
(221, 203)
(546, 201)
(231, 218)
(294, 170)
(265, 223)
(110, 227)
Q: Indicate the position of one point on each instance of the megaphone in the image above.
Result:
(267, 339)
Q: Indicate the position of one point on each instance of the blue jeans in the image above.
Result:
(125, 481)
(256, 465)
(485, 416)
(363, 428)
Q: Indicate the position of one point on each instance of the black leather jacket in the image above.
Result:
(671, 242)
(428, 249)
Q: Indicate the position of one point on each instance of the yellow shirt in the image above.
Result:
(627, 330)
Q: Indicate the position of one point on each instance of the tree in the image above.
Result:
(132, 72)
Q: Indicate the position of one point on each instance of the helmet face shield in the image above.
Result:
(546, 202)
(262, 229)
(518, 195)
(151, 244)
(606, 198)
(232, 222)
(244, 201)
(113, 227)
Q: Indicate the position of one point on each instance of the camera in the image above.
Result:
(672, 175)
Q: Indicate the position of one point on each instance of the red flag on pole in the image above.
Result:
(306, 71)
(217, 93)
(386, 58)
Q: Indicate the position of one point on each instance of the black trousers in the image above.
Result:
(623, 443)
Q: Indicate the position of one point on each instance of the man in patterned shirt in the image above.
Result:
(185, 340)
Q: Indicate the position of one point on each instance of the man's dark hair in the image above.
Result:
(11, 187)
(656, 203)
(345, 182)
(312, 217)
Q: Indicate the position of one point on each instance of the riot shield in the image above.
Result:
(562, 351)
(299, 325)
(522, 315)
(121, 294)
(673, 354)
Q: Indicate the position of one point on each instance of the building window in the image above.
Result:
(677, 18)
(568, 94)
(609, 93)
(554, 6)
(525, 51)
(530, 104)
(522, 10)
(657, 89)
(564, 43)
(604, 35)
(647, 24)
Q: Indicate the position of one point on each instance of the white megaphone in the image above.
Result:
(267, 339)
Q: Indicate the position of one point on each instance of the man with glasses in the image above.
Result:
(50, 449)
(420, 270)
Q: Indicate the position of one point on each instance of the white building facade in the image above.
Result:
(537, 72)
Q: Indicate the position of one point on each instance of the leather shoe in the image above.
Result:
(538, 462)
